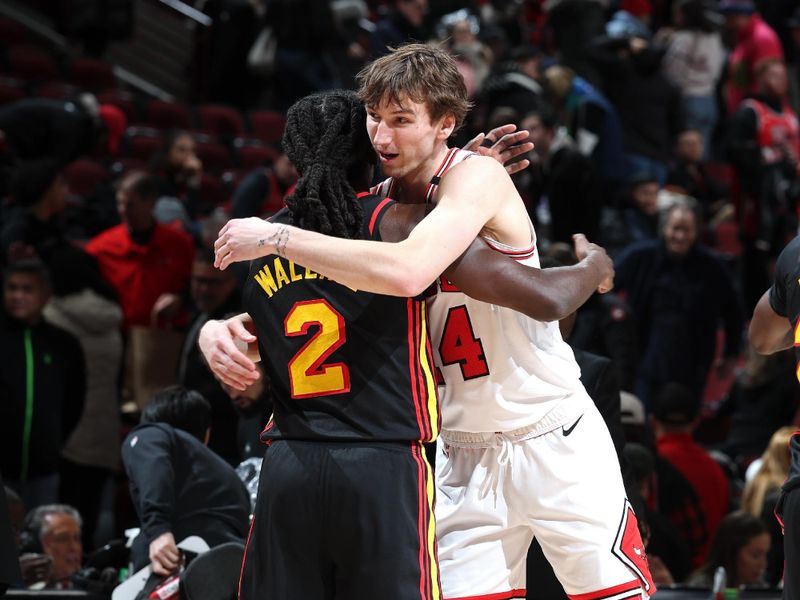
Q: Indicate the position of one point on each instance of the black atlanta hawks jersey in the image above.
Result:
(344, 364)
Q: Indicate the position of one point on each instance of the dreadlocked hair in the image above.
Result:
(326, 140)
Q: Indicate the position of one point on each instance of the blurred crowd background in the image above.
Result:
(665, 130)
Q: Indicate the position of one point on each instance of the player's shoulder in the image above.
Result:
(789, 258)
(478, 170)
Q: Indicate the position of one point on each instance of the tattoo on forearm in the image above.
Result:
(262, 242)
(280, 239)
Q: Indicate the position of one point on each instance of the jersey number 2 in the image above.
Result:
(308, 376)
(459, 345)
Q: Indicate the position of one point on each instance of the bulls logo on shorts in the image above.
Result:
(628, 547)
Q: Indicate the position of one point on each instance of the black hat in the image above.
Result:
(675, 404)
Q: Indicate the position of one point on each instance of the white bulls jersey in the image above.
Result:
(502, 370)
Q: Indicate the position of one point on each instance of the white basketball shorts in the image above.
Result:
(495, 492)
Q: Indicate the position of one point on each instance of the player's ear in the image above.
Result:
(446, 126)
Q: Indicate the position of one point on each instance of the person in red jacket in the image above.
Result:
(675, 415)
(147, 264)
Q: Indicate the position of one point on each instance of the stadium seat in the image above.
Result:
(253, 153)
(84, 175)
(267, 125)
(122, 100)
(125, 164)
(11, 90)
(92, 74)
(215, 156)
(212, 192)
(168, 115)
(222, 121)
(141, 143)
(31, 63)
(12, 32)
(57, 90)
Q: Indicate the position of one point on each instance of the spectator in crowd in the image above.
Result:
(91, 455)
(573, 23)
(761, 495)
(667, 552)
(694, 61)
(9, 547)
(675, 415)
(405, 22)
(178, 486)
(592, 122)
(306, 36)
(653, 116)
(56, 529)
(61, 129)
(689, 174)
(215, 296)
(763, 398)
(180, 172)
(261, 192)
(43, 379)
(756, 43)
(254, 407)
(32, 227)
(740, 544)
(146, 263)
(640, 214)
(680, 293)
(513, 83)
(458, 31)
(764, 148)
(563, 182)
(603, 326)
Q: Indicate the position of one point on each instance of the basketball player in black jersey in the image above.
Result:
(345, 503)
(776, 326)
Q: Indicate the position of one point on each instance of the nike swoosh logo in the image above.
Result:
(567, 431)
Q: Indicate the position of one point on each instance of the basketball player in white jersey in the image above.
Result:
(523, 450)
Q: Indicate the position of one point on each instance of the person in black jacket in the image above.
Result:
(178, 486)
(680, 293)
(215, 296)
(60, 129)
(42, 386)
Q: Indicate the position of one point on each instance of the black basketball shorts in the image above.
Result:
(343, 521)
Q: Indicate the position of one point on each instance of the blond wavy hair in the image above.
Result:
(773, 472)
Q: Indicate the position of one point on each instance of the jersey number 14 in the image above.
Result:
(459, 345)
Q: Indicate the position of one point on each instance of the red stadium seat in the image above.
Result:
(12, 32)
(215, 156)
(212, 192)
(168, 115)
(267, 125)
(141, 143)
(222, 121)
(31, 63)
(57, 90)
(10, 91)
(122, 100)
(92, 74)
(84, 175)
(253, 153)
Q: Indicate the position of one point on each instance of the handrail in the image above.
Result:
(189, 12)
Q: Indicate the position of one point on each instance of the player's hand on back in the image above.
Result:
(244, 239)
(600, 261)
(220, 343)
(506, 144)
